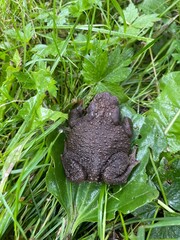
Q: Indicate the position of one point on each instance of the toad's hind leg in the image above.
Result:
(73, 170)
(118, 169)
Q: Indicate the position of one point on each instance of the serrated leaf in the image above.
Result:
(131, 13)
(44, 50)
(137, 22)
(45, 114)
(58, 20)
(94, 66)
(145, 21)
(39, 114)
(44, 82)
(113, 69)
(25, 80)
(22, 36)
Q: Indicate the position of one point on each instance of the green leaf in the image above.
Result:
(134, 194)
(17, 58)
(44, 50)
(113, 69)
(114, 88)
(95, 65)
(22, 36)
(45, 114)
(154, 6)
(131, 13)
(137, 22)
(40, 114)
(44, 82)
(145, 21)
(166, 110)
(169, 171)
(25, 80)
(80, 6)
(152, 136)
(167, 232)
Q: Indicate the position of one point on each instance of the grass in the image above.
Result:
(52, 55)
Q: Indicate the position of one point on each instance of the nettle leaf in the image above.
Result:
(113, 69)
(166, 110)
(117, 70)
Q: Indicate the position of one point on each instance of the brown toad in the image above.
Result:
(98, 144)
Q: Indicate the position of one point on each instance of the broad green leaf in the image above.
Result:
(25, 80)
(165, 110)
(152, 136)
(169, 172)
(146, 211)
(133, 195)
(166, 232)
